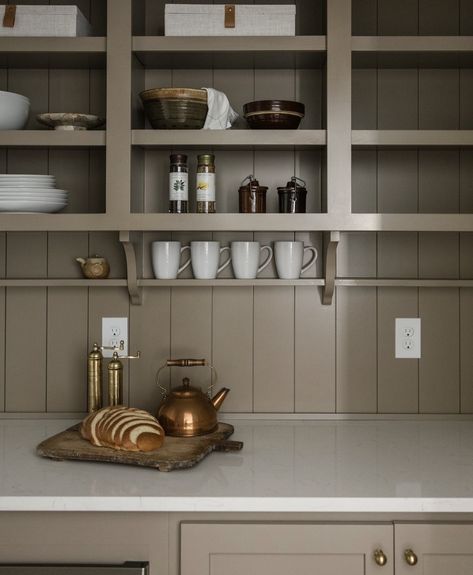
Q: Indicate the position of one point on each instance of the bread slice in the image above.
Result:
(120, 427)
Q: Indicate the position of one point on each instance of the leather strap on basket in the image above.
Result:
(229, 15)
(9, 16)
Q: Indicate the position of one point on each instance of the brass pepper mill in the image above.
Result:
(115, 377)
(94, 379)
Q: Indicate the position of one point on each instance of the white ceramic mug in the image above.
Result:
(289, 257)
(205, 258)
(166, 257)
(246, 258)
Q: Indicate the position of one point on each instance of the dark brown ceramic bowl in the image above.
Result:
(274, 114)
(175, 108)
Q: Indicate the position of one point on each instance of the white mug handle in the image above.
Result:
(227, 263)
(267, 261)
(186, 265)
(312, 259)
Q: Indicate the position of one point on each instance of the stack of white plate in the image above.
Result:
(30, 193)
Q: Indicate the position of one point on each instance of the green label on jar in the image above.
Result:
(178, 186)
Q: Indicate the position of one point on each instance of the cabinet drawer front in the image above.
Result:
(256, 548)
(438, 548)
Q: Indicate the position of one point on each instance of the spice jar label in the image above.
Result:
(178, 186)
(205, 187)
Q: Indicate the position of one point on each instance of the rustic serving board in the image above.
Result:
(176, 452)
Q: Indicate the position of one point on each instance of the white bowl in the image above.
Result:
(14, 111)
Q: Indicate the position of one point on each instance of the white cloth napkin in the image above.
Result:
(220, 115)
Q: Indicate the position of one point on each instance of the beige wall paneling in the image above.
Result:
(439, 185)
(466, 345)
(156, 181)
(150, 332)
(97, 181)
(466, 96)
(364, 17)
(106, 244)
(148, 239)
(398, 379)
(69, 90)
(397, 255)
(232, 167)
(108, 302)
(397, 98)
(26, 255)
(238, 85)
(398, 18)
(2, 349)
(466, 206)
(356, 363)
(439, 377)
(34, 85)
(274, 349)
(63, 248)
(311, 16)
(67, 349)
(191, 332)
(154, 20)
(356, 255)
(98, 17)
(310, 90)
(314, 353)
(71, 168)
(3, 254)
(364, 181)
(439, 17)
(25, 364)
(364, 99)
(309, 167)
(466, 17)
(232, 345)
(439, 95)
(397, 181)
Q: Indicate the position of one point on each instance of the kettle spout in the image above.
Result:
(219, 397)
(81, 261)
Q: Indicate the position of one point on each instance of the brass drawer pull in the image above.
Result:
(380, 558)
(410, 557)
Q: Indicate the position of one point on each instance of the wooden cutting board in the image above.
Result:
(176, 452)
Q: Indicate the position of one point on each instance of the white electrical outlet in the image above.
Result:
(407, 335)
(115, 334)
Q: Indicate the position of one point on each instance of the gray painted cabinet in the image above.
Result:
(439, 549)
(254, 549)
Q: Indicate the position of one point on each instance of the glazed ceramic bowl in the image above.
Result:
(70, 121)
(274, 114)
(175, 108)
(14, 111)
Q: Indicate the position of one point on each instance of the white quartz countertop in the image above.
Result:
(285, 466)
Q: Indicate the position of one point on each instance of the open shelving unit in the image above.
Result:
(135, 61)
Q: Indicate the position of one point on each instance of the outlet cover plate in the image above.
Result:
(114, 330)
(407, 336)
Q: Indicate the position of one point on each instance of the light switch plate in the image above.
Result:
(407, 335)
(114, 331)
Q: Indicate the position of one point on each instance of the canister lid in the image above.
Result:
(178, 159)
(293, 185)
(252, 185)
(206, 159)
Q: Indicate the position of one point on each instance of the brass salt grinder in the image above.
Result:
(95, 377)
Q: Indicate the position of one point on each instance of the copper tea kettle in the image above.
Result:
(186, 411)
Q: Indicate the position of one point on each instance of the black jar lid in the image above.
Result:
(178, 159)
(293, 186)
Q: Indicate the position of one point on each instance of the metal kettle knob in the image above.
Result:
(380, 558)
(410, 557)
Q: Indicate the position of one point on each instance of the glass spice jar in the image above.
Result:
(178, 184)
(205, 184)
(252, 196)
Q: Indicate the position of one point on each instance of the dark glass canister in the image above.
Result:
(178, 184)
(292, 197)
(252, 196)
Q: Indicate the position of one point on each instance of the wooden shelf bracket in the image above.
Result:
(331, 240)
(136, 293)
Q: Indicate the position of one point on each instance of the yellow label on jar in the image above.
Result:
(205, 187)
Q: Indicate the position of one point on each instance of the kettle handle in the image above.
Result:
(187, 363)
